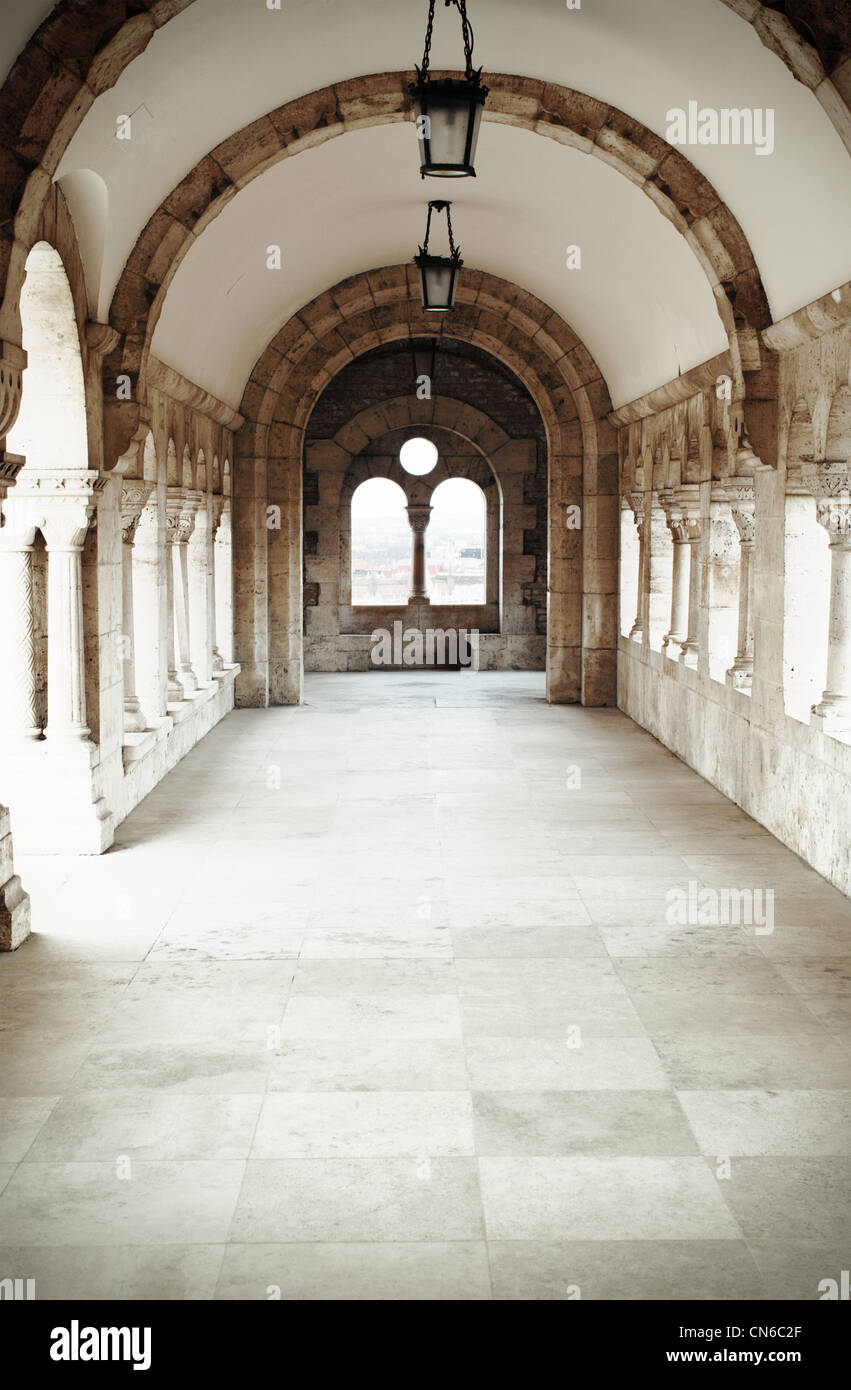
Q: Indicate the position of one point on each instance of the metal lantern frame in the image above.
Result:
(438, 274)
(424, 355)
(448, 111)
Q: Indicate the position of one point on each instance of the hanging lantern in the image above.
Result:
(425, 359)
(448, 112)
(438, 274)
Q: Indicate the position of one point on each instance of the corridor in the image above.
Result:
(383, 996)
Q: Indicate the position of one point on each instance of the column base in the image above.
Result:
(15, 916)
(564, 676)
(57, 809)
(14, 902)
(740, 677)
(134, 719)
(189, 683)
(689, 657)
(832, 715)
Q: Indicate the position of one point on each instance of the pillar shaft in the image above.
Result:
(688, 498)
(14, 901)
(419, 517)
(830, 483)
(18, 713)
(134, 495)
(637, 631)
(216, 659)
(680, 563)
(66, 662)
(224, 584)
(201, 596)
(740, 494)
(174, 596)
(151, 561)
(183, 626)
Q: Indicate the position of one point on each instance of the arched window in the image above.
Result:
(51, 426)
(381, 544)
(456, 543)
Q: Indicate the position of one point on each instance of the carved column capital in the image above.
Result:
(419, 516)
(830, 484)
(181, 506)
(10, 467)
(13, 360)
(740, 494)
(687, 499)
(61, 504)
(134, 497)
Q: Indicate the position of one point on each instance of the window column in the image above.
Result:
(419, 516)
(688, 498)
(134, 496)
(675, 517)
(18, 714)
(201, 597)
(743, 509)
(830, 484)
(174, 514)
(190, 504)
(636, 502)
(223, 565)
(65, 526)
(14, 901)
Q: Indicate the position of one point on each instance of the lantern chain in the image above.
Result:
(439, 205)
(466, 30)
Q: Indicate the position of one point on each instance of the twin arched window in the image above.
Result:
(382, 543)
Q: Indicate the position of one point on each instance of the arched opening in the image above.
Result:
(50, 430)
(457, 543)
(381, 544)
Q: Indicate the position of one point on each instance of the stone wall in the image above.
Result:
(768, 536)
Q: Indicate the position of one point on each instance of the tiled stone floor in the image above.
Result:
(368, 1002)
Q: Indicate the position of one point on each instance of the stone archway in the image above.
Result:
(76, 55)
(572, 399)
(572, 118)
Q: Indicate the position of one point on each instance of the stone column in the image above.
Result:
(174, 512)
(134, 496)
(659, 574)
(216, 513)
(191, 502)
(830, 484)
(65, 526)
(743, 511)
(223, 564)
(688, 497)
(18, 716)
(14, 902)
(419, 517)
(636, 502)
(678, 631)
(152, 629)
(201, 598)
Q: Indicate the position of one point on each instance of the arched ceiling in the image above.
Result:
(219, 64)
(641, 302)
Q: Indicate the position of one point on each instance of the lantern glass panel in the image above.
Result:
(438, 275)
(449, 115)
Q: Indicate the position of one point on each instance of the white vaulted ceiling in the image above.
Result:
(358, 202)
(640, 301)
